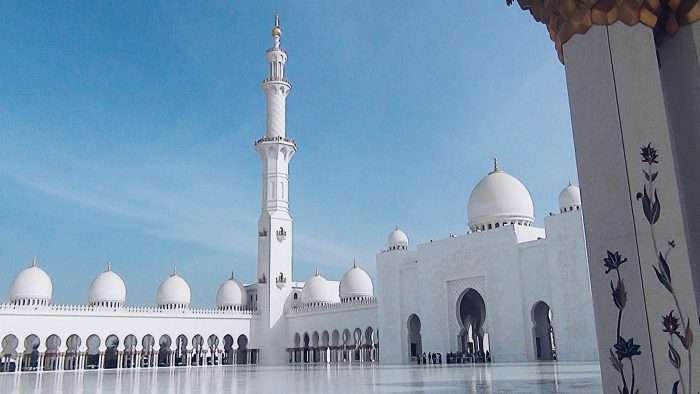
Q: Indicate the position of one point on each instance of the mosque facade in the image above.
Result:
(505, 291)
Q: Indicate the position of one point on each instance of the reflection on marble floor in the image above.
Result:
(521, 377)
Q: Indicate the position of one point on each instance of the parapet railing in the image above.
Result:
(267, 139)
(132, 310)
(362, 303)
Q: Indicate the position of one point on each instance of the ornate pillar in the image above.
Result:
(18, 362)
(636, 232)
(679, 64)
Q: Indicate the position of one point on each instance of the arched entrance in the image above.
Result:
(112, 352)
(197, 350)
(213, 342)
(31, 353)
(543, 332)
(471, 315)
(53, 342)
(92, 357)
(164, 351)
(129, 358)
(242, 352)
(415, 343)
(307, 348)
(228, 350)
(8, 362)
(147, 343)
(72, 353)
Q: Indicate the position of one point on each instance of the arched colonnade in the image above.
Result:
(112, 352)
(337, 346)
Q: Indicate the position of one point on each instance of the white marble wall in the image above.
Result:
(512, 268)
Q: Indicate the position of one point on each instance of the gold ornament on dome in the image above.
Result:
(564, 18)
(277, 31)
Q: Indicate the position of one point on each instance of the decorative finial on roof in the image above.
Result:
(496, 168)
(316, 274)
(354, 263)
(232, 275)
(33, 261)
(277, 31)
(569, 182)
(174, 271)
(109, 266)
(397, 227)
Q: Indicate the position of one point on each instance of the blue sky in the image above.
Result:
(126, 132)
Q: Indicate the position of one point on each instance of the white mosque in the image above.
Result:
(505, 291)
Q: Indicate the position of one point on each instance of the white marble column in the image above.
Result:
(18, 362)
(631, 209)
(679, 64)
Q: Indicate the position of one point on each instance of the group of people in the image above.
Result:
(468, 357)
(430, 358)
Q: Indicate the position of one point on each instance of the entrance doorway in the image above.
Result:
(471, 315)
(543, 332)
(415, 343)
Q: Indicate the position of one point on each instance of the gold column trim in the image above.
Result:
(565, 18)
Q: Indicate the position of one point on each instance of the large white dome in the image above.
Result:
(108, 289)
(31, 287)
(231, 294)
(570, 199)
(318, 291)
(499, 199)
(356, 283)
(397, 240)
(174, 292)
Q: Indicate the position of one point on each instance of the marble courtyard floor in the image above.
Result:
(520, 377)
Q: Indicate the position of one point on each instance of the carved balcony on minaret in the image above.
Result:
(277, 139)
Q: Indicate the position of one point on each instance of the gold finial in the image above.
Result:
(496, 168)
(277, 31)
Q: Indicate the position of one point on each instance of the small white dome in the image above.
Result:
(397, 239)
(356, 283)
(499, 199)
(318, 291)
(32, 285)
(174, 292)
(230, 294)
(107, 289)
(570, 199)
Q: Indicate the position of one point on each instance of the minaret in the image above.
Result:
(275, 223)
